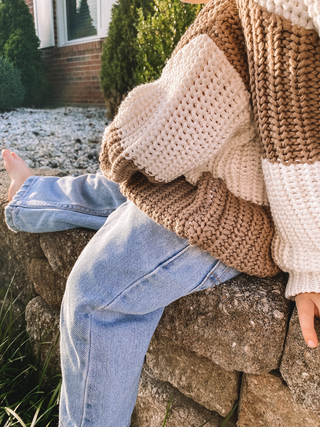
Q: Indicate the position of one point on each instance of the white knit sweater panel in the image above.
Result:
(294, 196)
(195, 118)
(178, 122)
(305, 13)
(239, 165)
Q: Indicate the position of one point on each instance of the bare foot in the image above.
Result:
(18, 171)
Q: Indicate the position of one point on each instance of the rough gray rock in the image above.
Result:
(300, 366)
(22, 256)
(63, 248)
(239, 325)
(153, 398)
(43, 329)
(17, 249)
(266, 401)
(48, 284)
(196, 377)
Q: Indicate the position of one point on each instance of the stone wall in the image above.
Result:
(239, 341)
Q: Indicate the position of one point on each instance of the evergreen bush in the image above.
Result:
(11, 89)
(119, 57)
(19, 44)
(142, 34)
(158, 34)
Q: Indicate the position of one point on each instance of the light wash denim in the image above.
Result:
(116, 292)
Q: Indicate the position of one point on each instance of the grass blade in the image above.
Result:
(227, 418)
(48, 358)
(206, 422)
(16, 416)
(4, 420)
(34, 420)
(55, 393)
(225, 421)
(168, 409)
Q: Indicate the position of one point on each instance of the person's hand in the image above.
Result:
(308, 306)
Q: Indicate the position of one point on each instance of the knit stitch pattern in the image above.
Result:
(167, 127)
(294, 193)
(237, 232)
(232, 125)
(304, 13)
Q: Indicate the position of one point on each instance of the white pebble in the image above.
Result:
(49, 137)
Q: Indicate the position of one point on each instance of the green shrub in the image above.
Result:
(142, 34)
(24, 400)
(119, 57)
(11, 89)
(19, 44)
(158, 35)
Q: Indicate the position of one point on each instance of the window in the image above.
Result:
(81, 21)
(43, 21)
(81, 18)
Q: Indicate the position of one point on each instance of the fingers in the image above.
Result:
(307, 309)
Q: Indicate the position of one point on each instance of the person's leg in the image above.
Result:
(17, 169)
(115, 296)
(42, 204)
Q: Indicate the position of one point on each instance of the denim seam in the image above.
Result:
(221, 276)
(207, 276)
(224, 272)
(23, 190)
(87, 377)
(43, 206)
(162, 265)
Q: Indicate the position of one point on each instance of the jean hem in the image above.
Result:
(13, 204)
(23, 190)
(20, 201)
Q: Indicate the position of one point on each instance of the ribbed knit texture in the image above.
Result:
(284, 68)
(232, 125)
(237, 232)
(304, 13)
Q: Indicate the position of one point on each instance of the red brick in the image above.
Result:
(73, 71)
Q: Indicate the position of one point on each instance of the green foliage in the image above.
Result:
(142, 34)
(23, 399)
(119, 57)
(158, 35)
(11, 89)
(19, 44)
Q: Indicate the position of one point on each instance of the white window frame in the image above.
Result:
(62, 25)
(44, 30)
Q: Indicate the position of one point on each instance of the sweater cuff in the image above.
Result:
(299, 283)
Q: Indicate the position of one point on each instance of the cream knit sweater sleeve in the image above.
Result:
(186, 147)
(176, 124)
(232, 125)
(284, 63)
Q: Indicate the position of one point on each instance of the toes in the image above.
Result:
(6, 153)
(9, 156)
(15, 156)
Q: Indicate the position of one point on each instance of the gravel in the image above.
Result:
(67, 138)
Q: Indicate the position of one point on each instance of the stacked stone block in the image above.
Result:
(240, 341)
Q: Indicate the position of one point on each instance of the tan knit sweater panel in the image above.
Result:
(231, 126)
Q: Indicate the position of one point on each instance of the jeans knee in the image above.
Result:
(88, 289)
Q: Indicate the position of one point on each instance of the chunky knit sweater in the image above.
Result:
(223, 149)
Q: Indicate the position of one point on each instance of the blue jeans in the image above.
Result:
(116, 292)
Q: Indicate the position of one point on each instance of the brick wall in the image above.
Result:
(73, 71)
(30, 4)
